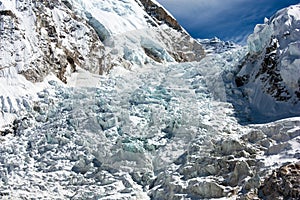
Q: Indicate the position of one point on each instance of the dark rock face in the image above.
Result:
(7, 13)
(160, 14)
(283, 183)
(241, 80)
(269, 73)
(184, 48)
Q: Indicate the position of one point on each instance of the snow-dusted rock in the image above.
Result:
(205, 189)
(137, 32)
(270, 75)
(215, 45)
(41, 38)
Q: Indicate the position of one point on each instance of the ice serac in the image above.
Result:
(270, 76)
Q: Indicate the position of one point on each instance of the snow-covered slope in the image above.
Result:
(41, 38)
(139, 32)
(150, 128)
(270, 75)
(215, 45)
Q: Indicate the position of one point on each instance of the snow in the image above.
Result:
(284, 25)
(16, 93)
(132, 121)
(117, 17)
(274, 45)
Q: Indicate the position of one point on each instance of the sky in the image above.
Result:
(230, 20)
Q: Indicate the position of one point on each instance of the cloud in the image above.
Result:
(227, 19)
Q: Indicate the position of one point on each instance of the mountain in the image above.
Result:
(40, 38)
(114, 100)
(269, 76)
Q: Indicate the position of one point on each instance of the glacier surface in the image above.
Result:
(131, 134)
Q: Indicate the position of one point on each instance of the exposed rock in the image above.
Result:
(7, 13)
(4, 132)
(253, 183)
(160, 14)
(249, 196)
(57, 42)
(269, 72)
(241, 80)
(283, 183)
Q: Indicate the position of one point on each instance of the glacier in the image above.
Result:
(108, 137)
(163, 120)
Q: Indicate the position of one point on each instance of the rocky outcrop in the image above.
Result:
(185, 48)
(161, 40)
(160, 15)
(283, 183)
(7, 13)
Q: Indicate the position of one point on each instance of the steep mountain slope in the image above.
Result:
(150, 128)
(40, 38)
(270, 75)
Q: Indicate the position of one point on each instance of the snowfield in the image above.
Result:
(154, 130)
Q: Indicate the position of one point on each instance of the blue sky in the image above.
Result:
(227, 19)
